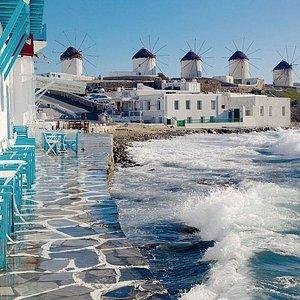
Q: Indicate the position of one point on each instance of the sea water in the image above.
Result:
(217, 216)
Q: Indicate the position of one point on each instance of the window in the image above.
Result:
(270, 111)
(176, 104)
(148, 105)
(189, 119)
(283, 110)
(223, 106)
(202, 119)
(158, 105)
(212, 119)
(247, 112)
(188, 104)
(213, 104)
(199, 104)
(261, 111)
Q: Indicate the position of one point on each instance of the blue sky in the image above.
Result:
(116, 26)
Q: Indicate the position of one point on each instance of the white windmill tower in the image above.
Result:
(192, 62)
(74, 56)
(144, 62)
(239, 66)
(283, 73)
(71, 62)
(239, 63)
(191, 65)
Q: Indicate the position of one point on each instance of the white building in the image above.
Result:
(283, 74)
(239, 67)
(191, 66)
(214, 110)
(18, 46)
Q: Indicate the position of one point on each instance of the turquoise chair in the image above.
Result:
(72, 144)
(51, 143)
(23, 149)
(12, 185)
(21, 160)
(5, 222)
(21, 130)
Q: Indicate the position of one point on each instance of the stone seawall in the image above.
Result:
(124, 136)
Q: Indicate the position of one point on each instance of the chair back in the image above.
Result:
(21, 130)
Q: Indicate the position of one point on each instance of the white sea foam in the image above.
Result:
(288, 143)
(242, 219)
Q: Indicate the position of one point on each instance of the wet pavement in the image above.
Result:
(72, 245)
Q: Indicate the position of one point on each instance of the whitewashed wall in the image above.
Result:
(283, 77)
(239, 69)
(5, 109)
(272, 108)
(194, 113)
(144, 66)
(72, 66)
(191, 69)
(23, 90)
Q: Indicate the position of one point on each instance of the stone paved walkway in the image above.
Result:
(72, 246)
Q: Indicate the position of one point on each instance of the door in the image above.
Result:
(236, 115)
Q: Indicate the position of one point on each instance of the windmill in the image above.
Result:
(145, 60)
(239, 61)
(192, 62)
(74, 57)
(284, 72)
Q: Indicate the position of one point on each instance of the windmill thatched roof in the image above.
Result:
(191, 55)
(283, 65)
(143, 53)
(238, 55)
(71, 53)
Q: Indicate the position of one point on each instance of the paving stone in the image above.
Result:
(74, 292)
(83, 258)
(111, 244)
(60, 279)
(54, 265)
(22, 263)
(124, 257)
(99, 276)
(72, 244)
(61, 222)
(33, 287)
(6, 291)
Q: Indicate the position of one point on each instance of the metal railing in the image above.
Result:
(214, 120)
(14, 36)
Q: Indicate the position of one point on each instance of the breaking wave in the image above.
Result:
(241, 222)
(288, 143)
(239, 190)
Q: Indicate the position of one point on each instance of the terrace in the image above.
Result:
(65, 238)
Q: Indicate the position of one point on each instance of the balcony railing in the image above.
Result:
(214, 120)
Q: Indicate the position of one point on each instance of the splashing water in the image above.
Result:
(240, 190)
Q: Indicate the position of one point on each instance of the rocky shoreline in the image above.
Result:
(124, 136)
